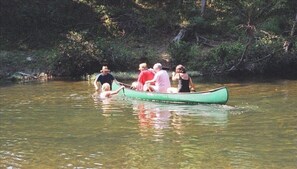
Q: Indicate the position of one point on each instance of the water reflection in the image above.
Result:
(103, 104)
(152, 117)
(158, 118)
(115, 105)
(149, 112)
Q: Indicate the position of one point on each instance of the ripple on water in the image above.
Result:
(80, 159)
(12, 154)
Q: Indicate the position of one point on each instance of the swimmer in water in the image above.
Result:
(107, 93)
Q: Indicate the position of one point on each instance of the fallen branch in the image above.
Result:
(267, 56)
(234, 67)
(204, 42)
(263, 58)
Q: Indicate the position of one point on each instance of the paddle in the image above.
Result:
(126, 85)
(124, 91)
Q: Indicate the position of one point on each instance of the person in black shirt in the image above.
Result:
(185, 83)
(103, 77)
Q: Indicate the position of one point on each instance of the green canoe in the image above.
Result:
(215, 96)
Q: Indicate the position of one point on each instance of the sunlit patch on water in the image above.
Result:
(12, 159)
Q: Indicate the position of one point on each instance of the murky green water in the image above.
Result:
(57, 124)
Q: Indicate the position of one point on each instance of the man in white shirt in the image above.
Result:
(161, 79)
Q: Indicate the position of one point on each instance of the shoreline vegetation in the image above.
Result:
(69, 39)
(27, 66)
(23, 77)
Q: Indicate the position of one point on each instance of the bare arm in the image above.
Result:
(95, 83)
(175, 76)
(116, 91)
(192, 86)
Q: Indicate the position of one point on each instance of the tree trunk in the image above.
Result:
(180, 35)
(203, 5)
(293, 27)
(243, 56)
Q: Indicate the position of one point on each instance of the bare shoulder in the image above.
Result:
(105, 94)
(184, 76)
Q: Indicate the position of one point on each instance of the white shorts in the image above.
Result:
(156, 89)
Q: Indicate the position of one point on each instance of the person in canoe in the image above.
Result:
(161, 80)
(103, 77)
(143, 76)
(106, 91)
(185, 83)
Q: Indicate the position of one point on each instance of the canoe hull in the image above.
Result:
(215, 96)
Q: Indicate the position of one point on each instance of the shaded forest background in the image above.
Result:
(214, 37)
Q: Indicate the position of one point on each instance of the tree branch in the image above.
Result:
(264, 10)
(293, 27)
(204, 42)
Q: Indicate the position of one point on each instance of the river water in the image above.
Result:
(57, 124)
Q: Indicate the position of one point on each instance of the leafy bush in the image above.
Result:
(120, 58)
(29, 62)
(200, 25)
(274, 25)
(180, 53)
(267, 54)
(219, 58)
(78, 55)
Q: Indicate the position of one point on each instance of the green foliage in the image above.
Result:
(227, 26)
(35, 61)
(180, 53)
(219, 58)
(200, 25)
(274, 25)
(266, 48)
(78, 55)
(157, 20)
(34, 24)
(268, 57)
(91, 33)
(186, 54)
(121, 58)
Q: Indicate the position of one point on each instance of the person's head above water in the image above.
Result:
(105, 87)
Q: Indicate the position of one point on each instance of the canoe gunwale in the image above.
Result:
(173, 97)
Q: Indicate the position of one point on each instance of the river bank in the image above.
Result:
(20, 66)
(17, 65)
